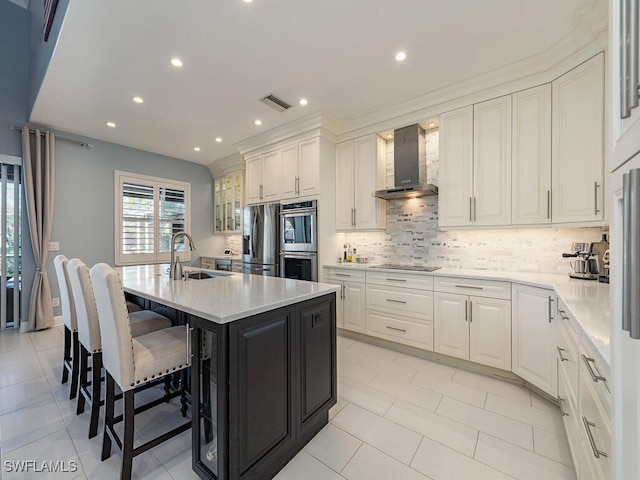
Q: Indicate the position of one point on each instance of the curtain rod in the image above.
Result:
(64, 139)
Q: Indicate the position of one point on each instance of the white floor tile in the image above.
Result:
(432, 368)
(29, 424)
(51, 362)
(333, 447)
(415, 394)
(441, 463)
(388, 368)
(46, 339)
(502, 427)
(304, 466)
(371, 464)
(56, 447)
(374, 351)
(520, 463)
(346, 356)
(344, 342)
(21, 372)
(464, 393)
(496, 386)
(364, 396)
(447, 432)
(357, 373)
(12, 340)
(20, 395)
(547, 420)
(542, 403)
(388, 437)
(555, 447)
(22, 352)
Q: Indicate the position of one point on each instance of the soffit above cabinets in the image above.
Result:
(338, 55)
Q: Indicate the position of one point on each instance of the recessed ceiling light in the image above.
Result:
(138, 99)
(400, 56)
(247, 1)
(303, 101)
(389, 136)
(432, 124)
(176, 62)
(111, 124)
(258, 122)
(197, 149)
(218, 139)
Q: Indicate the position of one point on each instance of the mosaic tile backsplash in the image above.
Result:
(412, 236)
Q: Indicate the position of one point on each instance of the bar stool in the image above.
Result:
(141, 322)
(132, 362)
(70, 359)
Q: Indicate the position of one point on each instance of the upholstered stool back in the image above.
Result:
(86, 311)
(117, 346)
(66, 301)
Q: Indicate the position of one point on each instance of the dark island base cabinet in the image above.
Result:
(280, 370)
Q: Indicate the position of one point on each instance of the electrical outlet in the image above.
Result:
(54, 246)
(55, 301)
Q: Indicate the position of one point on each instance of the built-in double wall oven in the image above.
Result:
(299, 241)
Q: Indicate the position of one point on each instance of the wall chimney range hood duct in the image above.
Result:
(409, 166)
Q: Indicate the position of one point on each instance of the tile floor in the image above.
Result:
(398, 417)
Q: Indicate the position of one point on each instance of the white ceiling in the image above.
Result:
(337, 53)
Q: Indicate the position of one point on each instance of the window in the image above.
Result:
(149, 211)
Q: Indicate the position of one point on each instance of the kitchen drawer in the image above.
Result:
(417, 304)
(400, 329)
(568, 359)
(596, 427)
(598, 375)
(572, 423)
(344, 274)
(418, 282)
(472, 286)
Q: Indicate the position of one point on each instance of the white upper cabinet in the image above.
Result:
(254, 180)
(360, 169)
(309, 167)
(272, 180)
(578, 145)
(290, 170)
(492, 162)
(456, 168)
(531, 156)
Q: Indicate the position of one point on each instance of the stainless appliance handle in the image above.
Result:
(596, 210)
(254, 233)
(594, 448)
(627, 220)
(625, 110)
(296, 212)
(633, 259)
(301, 255)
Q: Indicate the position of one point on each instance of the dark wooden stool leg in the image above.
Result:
(67, 354)
(75, 367)
(108, 416)
(84, 367)
(96, 371)
(127, 440)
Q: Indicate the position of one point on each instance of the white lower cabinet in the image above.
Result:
(473, 328)
(533, 339)
(350, 313)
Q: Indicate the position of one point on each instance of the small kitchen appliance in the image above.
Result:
(585, 266)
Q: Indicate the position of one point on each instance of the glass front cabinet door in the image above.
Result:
(228, 203)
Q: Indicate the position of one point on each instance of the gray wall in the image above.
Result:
(83, 220)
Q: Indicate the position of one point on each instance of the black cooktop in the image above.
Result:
(414, 268)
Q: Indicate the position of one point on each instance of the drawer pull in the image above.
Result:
(396, 329)
(342, 275)
(562, 357)
(469, 286)
(587, 426)
(395, 279)
(395, 301)
(595, 377)
(562, 412)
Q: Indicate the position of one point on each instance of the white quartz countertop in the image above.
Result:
(587, 300)
(229, 297)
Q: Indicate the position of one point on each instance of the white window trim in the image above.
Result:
(120, 177)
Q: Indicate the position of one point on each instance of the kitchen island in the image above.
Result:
(263, 364)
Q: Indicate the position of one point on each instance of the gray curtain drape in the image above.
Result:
(38, 152)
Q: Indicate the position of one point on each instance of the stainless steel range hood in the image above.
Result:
(409, 166)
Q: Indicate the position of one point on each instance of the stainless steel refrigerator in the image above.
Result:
(260, 239)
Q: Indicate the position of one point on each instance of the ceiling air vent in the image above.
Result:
(275, 102)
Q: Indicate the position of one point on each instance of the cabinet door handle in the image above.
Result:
(596, 210)
(261, 191)
(596, 377)
(562, 357)
(396, 329)
(396, 301)
(548, 203)
(342, 275)
(562, 412)
(395, 279)
(344, 291)
(475, 209)
(353, 220)
(355, 213)
(550, 304)
(469, 286)
(297, 189)
(466, 310)
(594, 448)
(470, 209)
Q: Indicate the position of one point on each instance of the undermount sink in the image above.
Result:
(203, 275)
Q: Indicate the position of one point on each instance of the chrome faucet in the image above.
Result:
(175, 269)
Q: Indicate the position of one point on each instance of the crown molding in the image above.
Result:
(588, 37)
(223, 166)
(313, 123)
